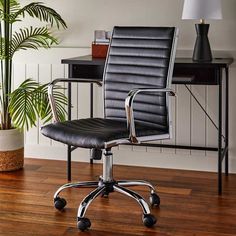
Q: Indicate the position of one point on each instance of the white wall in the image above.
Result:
(190, 124)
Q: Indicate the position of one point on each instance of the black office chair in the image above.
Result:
(136, 84)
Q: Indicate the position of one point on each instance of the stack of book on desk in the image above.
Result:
(101, 43)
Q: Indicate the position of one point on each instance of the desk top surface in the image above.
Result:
(89, 60)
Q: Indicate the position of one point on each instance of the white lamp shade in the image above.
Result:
(202, 9)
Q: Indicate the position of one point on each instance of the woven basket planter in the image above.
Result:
(11, 150)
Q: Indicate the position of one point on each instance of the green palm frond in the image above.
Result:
(21, 107)
(31, 38)
(24, 105)
(29, 101)
(14, 8)
(43, 106)
(13, 4)
(42, 12)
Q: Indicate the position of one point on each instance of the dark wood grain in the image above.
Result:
(189, 202)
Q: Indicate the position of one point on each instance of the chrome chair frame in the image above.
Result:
(106, 183)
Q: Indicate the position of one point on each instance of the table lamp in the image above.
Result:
(202, 10)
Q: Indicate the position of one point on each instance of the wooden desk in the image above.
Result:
(186, 72)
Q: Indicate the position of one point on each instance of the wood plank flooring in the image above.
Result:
(189, 202)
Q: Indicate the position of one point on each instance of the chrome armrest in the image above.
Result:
(129, 107)
(69, 80)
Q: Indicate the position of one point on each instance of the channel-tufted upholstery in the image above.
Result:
(138, 57)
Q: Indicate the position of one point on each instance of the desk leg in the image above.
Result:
(69, 163)
(227, 120)
(91, 112)
(220, 137)
(69, 147)
(91, 100)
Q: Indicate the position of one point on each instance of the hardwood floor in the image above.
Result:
(189, 202)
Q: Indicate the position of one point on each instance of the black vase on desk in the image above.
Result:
(202, 49)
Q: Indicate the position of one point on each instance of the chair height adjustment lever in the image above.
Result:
(96, 154)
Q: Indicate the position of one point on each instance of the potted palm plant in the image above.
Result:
(20, 108)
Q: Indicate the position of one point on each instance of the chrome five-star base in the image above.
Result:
(104, 186)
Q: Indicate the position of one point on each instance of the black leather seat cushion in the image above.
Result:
(93, 132)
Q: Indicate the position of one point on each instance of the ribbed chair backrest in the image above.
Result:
(139, 57)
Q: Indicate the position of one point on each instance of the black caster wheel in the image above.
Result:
(83, 224)
(154, 200)
(149, 220)
(59, 203)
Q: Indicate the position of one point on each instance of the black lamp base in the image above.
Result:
(202, 49)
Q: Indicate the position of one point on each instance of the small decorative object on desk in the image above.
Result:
(101, 43)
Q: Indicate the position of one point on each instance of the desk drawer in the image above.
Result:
(203, 75)
(199, 75)
(88, 71)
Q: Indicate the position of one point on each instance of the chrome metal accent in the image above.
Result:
(172, 57)
(169, 116)
(105, 181)
(52, 103)
(68, 80)
(133, 195)
(76, 185)
(130, 116)
(88, 199)
(153, 137)
(116, 142)
(104, 72)
(130, 183)
(140, 139)
(129, 108)
(170, 77)
(107, 175)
